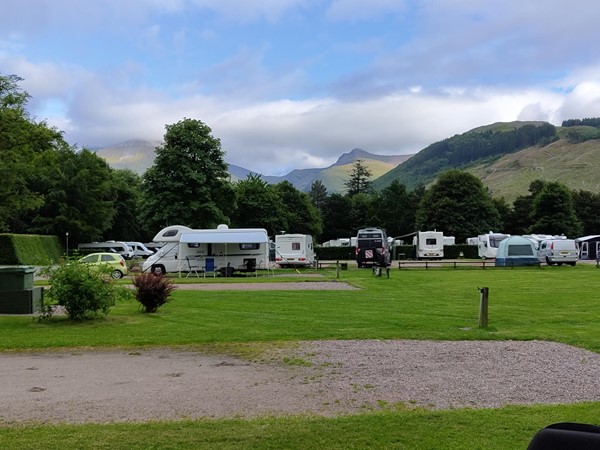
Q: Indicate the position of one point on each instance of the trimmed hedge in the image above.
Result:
(398, 252)
(335, 253)
(29, 249)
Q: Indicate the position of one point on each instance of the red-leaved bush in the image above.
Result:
(152, 291)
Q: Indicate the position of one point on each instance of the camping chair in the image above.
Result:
(209, 267)
(193, 266)
(250, 266)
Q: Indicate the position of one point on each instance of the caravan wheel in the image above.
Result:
(158, 270)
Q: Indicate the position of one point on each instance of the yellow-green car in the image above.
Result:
(112, 260)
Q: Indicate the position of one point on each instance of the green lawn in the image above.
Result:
(549, 303)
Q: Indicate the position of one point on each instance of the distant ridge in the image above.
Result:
(138, 155)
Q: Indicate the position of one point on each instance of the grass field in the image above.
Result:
(549, 303)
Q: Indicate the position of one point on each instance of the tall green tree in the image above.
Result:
(396, 209)
(188, 183)
(79, 197)
(259, 205)
(125, 226)
(553, 211)
(587, 205)
(301, 215)
(459, 205)
(336, 223)
(22, 140)
(360, 179)
(318, 194)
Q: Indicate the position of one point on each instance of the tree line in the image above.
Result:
(50, 187)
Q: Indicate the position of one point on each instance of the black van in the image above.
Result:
(372, 248)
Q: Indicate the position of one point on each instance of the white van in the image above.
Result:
(557, 251)
(140, 250)
(122, 248)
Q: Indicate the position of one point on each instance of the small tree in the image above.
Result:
(153, 291)
(84, 291)
(360, 179)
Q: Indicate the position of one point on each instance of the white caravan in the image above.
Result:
(293, 250)
(224, 250)
(429, 244)
(487, 245)
(122, 248)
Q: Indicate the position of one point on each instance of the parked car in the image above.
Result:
(113, 260)
(558, 251)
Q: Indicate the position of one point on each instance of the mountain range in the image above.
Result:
(138, 155)
(506, 156)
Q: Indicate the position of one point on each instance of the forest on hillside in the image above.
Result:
(462, 150)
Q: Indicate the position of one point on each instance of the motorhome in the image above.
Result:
(140, 250)
(487, 244)
(224, 250)
(429, 244)
(294, 250)
(372, 248)
(122, 248)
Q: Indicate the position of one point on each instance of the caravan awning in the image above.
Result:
(225, 237)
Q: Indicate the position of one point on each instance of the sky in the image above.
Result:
(293, 84)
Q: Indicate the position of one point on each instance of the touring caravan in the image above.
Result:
(224, 250)
(429, 244)
(122, 248)
(294, 250)
(487, 244)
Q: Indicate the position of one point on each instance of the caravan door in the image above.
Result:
(583, 251)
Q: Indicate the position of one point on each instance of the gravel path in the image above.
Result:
(322, 377)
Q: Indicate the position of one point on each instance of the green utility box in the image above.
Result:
(16, 278)
(17, 294)
(27, 301)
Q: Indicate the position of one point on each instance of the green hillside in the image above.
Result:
(577, 165)
(571, 156)
(335, 176)
(461, 151)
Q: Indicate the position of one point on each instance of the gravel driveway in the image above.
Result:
(322, 377)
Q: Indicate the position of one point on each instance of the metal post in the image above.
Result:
(337, 269)
(67, 236)
(483, 307)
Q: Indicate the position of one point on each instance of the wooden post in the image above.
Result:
(337, 269)
(483, 307)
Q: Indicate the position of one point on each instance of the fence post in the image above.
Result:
(337, 269)
(483, 307)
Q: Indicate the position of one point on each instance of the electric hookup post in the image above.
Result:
(483, 306)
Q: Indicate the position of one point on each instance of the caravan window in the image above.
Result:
(247, 246)
(170, 233)
(431, 241)
(295, 245)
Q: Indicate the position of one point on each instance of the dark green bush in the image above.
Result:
(335, 253)
(84, 291)
(152, 291)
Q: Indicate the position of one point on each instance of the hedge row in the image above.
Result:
(29, 249)
(398, 252)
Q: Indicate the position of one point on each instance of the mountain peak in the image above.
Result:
(353, 155)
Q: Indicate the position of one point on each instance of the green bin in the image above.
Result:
(16, 278)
